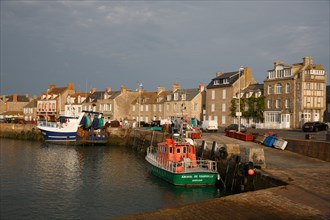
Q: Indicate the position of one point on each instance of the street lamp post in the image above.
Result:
(239, 113)
(140, 87)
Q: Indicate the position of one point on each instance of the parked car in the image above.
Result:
(209, 125)
(234, 127)
(315, 126)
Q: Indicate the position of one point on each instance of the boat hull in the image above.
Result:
(184, 178)
(53, 136)
(73, 138)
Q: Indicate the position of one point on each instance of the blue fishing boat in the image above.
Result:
(87, 128)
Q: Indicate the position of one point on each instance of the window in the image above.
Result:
(175, 108)
(176, 96)
(269, 89)
(318, 86)
(308, 99)
(223, 119)
(155, 107)
(183, 97)
(225, 81)
(195, 107)
(277, 103)
(223, 107)
(287, 103)
(224, 94)
(168, 107)
(287, 72)
(213, 94)
(278, 88)
(169, 98)
(306, 116)
(147, 108)
(309, 86)
(213, 107)
(271, 74)
(272, 117)
(269, 103)
(287, 88)
(216, 82)
(160, 108)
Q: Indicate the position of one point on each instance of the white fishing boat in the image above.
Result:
(78, 130)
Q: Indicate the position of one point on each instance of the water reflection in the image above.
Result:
(78, 182)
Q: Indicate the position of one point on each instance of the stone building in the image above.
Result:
(11, 106)
(115, 105)
(52, 102)
(73, 105)
(222, 90)
(327, 110)
(186, 103)
(30, 111)
(252, 105)
(168, 105)
(294, 94)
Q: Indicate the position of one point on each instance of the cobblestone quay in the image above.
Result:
(306, 195)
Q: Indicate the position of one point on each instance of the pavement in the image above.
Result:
(306, 195)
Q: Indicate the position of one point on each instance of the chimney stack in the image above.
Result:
(52, 86)
(308, 61)
(15, 97)
(201, 87)
(70, 86)
(217, 74)
(123, 89)
(175, 86)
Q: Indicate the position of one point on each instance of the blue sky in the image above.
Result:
(101, 44)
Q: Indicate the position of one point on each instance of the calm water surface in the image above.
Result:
(41, 181)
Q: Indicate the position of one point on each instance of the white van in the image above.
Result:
(209, 125)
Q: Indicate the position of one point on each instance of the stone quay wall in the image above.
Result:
(140, 139)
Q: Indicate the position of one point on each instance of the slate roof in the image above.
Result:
(32, 104)
(92, 98)
(20, 98)
(230, 76)
(254, 88)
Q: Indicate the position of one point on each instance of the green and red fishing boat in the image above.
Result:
(175, 161)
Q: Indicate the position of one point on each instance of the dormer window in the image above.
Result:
(169, 98)
(225, 81)
(183, 97)
(176, 96)
(216, 82)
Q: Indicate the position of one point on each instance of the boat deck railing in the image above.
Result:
(48, 124)
(187, 165)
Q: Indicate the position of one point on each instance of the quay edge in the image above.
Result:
(306, 195)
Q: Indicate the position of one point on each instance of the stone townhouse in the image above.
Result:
(186, 103)
(52, 102)
(30, 111)
(73, 105)
(252, 105)
(222, 90)
(294, 94)
(11, 106)
(177, 102)
(115, 105)
(144, 107)
(149, 106)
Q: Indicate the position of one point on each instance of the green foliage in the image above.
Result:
(250, 107)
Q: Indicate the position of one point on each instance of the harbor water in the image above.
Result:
(40, 181)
